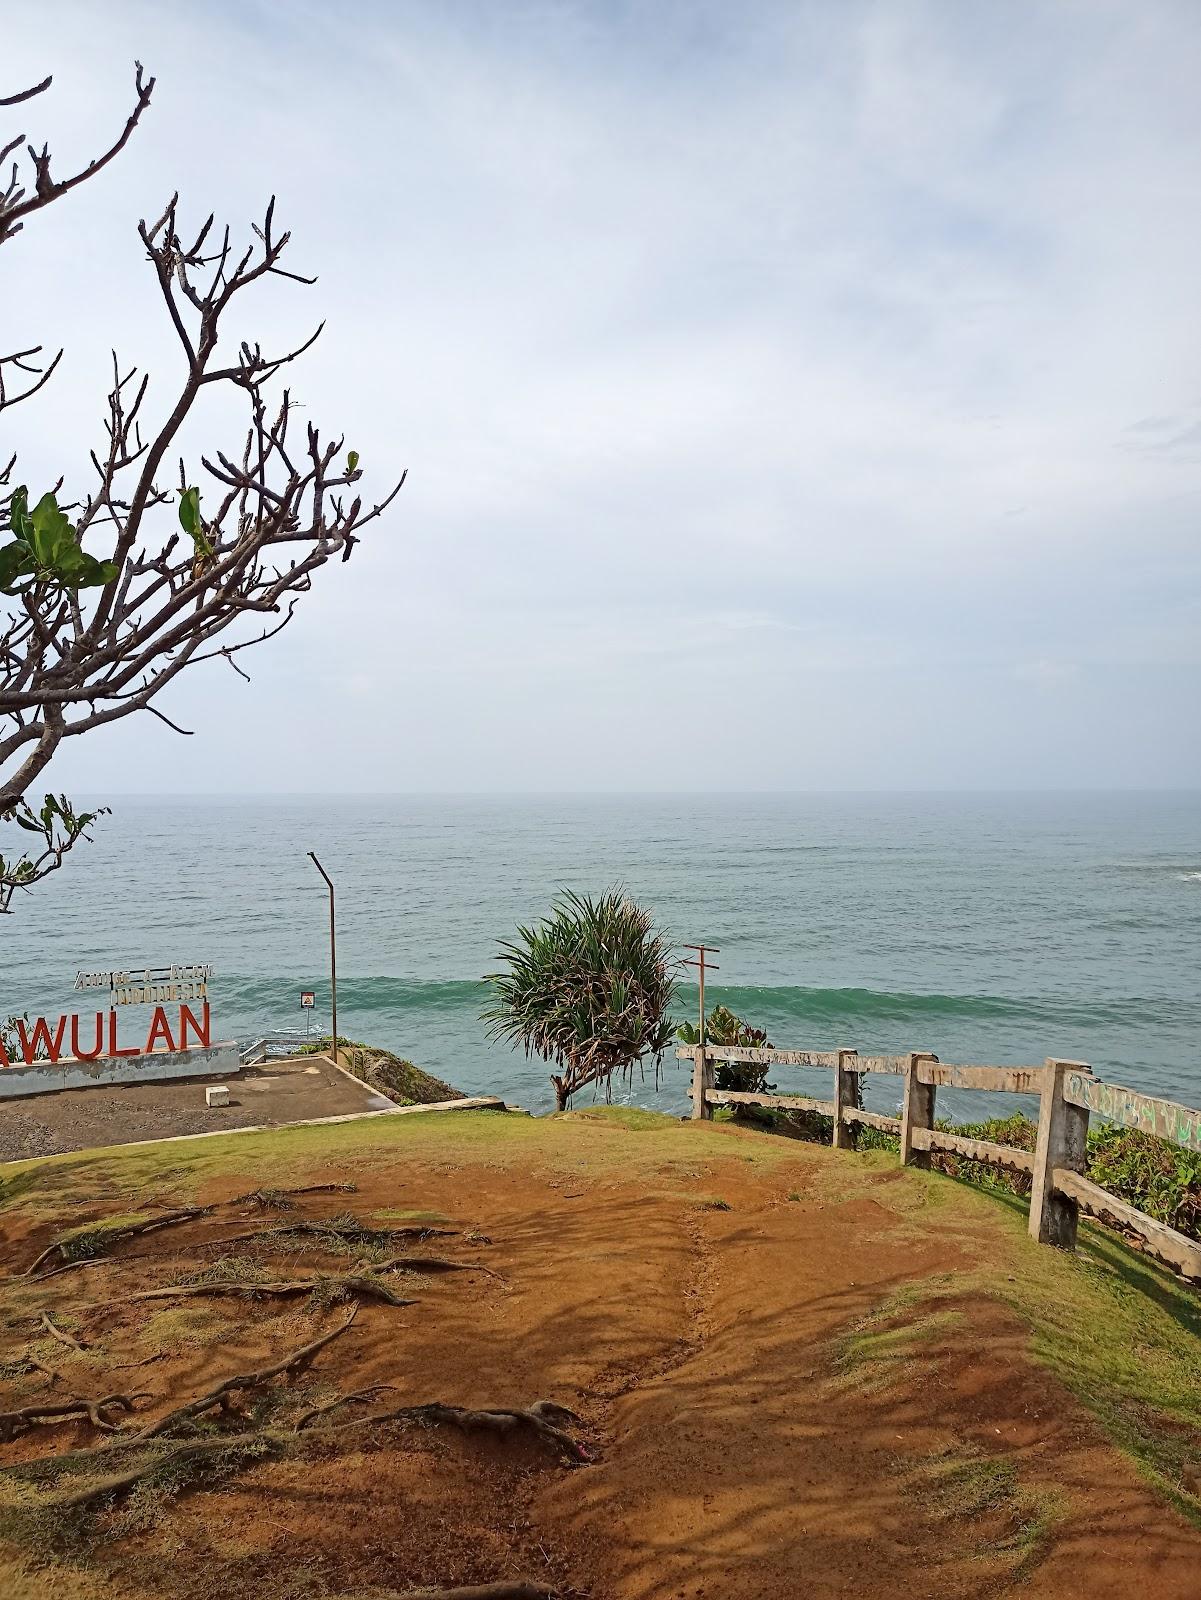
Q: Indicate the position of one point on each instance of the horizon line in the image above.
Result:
(617, 794)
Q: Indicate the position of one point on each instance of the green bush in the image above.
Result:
(723, 1026)
(1153, 1174)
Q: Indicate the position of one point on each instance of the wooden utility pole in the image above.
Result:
(333, 953)
(703, 966)
(702, 1068)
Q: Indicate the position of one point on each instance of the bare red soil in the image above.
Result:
(732, 1451)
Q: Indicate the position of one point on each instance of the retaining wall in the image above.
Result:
(160, 1066)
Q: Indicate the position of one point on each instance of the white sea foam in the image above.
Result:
(1190, 877)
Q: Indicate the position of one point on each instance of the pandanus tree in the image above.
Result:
(589, 988)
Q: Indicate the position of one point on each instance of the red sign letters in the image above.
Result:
(41, 1042)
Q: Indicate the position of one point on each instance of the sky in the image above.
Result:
(799, 396)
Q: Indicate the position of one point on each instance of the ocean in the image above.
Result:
(987, 928)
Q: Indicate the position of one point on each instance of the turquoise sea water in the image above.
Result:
(987, 928)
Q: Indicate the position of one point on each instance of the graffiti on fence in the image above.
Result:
(1180, 1124)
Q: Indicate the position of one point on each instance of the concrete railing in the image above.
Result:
(1067, 1091)
(283, 1043)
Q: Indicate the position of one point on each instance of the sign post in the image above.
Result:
(307, 997)
(333, 955)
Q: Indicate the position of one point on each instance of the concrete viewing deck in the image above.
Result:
(301, 1089)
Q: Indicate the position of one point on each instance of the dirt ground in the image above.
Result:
(268, 1096)
(786, 1377)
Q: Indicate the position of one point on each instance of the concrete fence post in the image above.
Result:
(917, 1110)
(846, 1095)
(702, 1082)
(1062, 1142)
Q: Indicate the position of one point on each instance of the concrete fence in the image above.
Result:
(1067, 1090)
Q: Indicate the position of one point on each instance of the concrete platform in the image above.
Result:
(303, 1089)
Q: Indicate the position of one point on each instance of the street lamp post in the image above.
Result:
(333, 954)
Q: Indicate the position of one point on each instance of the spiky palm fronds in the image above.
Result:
(589, 988)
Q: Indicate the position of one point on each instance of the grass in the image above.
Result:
(632, 1118)
(1125, 1338)
(435, 1219)
(224, 1269)
(91, 1239)
(876, 1349)
(194, 1325)
(1120, 1332)
(1122, 1335)
(965, 1485)
(53, 1188)
(390, 1075)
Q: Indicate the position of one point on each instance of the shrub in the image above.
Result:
(1153, 1174)
(722, 1026)
(589, 988)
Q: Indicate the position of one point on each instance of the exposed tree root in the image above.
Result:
(184, 1451)
(281, 1199)
(110, 1236)
(336, 1228)
(359, 1397)
(478, 1591)
(242, 1381)
(189, 1453)
(14, 1423)
(73, 1266)
(361, 1286)
(69, 1339)
(425, 1264)
(539, 1420)
(32, 1362)
(171, 1461)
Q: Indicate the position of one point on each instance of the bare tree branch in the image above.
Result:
(16, 204)
(99, 614)
(25, 94)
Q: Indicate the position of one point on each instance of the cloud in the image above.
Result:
(1173, 438)
(799, 343)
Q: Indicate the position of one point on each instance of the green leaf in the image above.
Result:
(48, 549)
(352, 460)
(192, 522)
(18, 512)
(16, 560)
(93, 574)
(52, 536)
(189, 512)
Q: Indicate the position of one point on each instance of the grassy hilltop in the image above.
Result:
(604, 1353)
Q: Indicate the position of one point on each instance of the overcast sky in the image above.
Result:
(793, 396)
